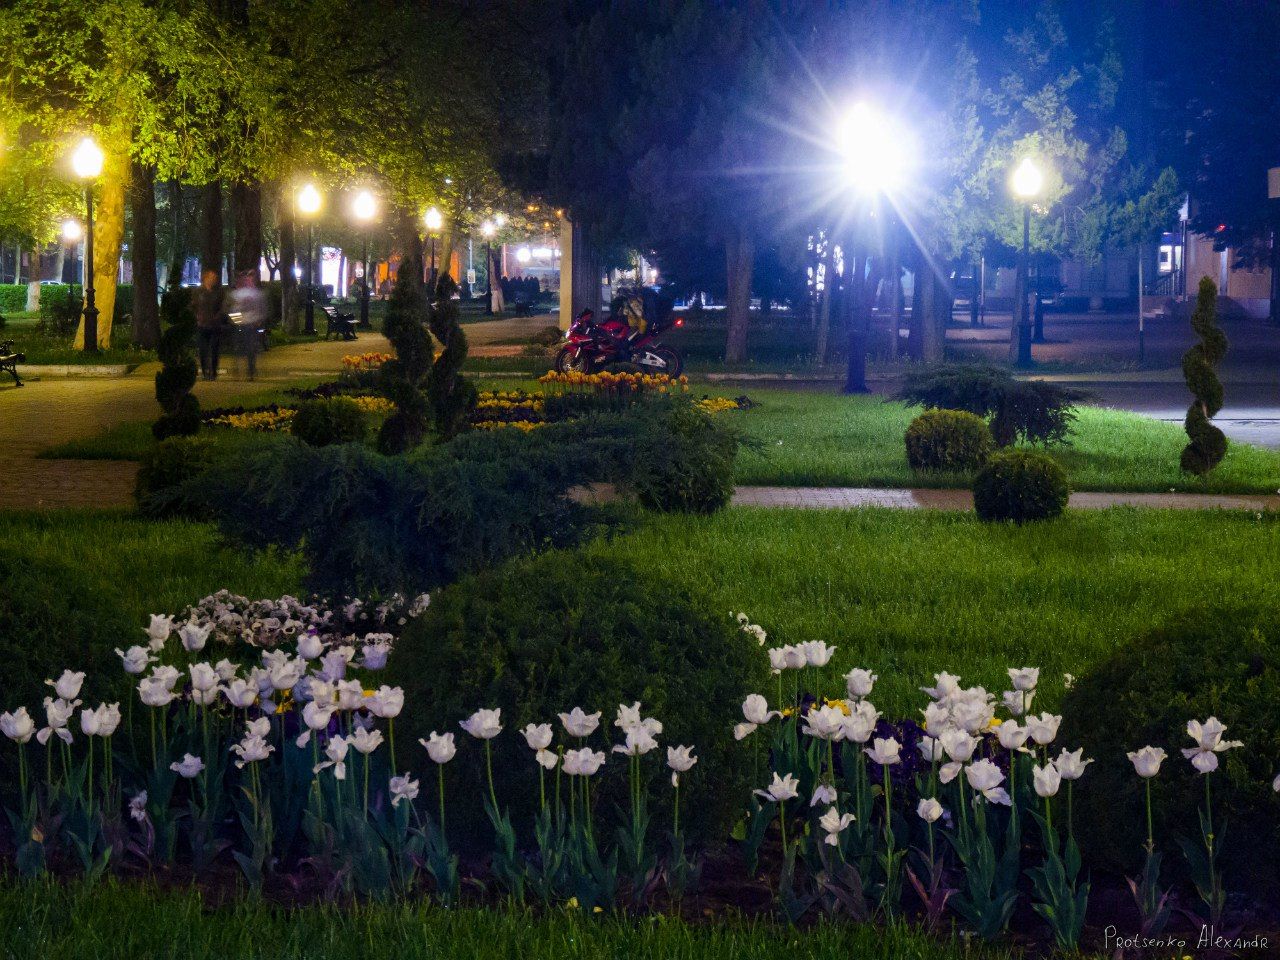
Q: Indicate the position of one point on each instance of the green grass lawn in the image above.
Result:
(909, 594)
(43, 348)
(47, 920)
(828, 439)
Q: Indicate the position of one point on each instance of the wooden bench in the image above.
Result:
(9, 360)
(341, 324)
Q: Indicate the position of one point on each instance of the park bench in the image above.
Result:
(336, 322)
(9, 360)
(523, 308)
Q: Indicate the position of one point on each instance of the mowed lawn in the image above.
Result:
(827, 439)
(909, 594)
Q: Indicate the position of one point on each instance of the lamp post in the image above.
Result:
(87, 164)
(365, 207)
(434, 220)
(72, 232)
(487, 229)
(308, 201)
(1027, 182)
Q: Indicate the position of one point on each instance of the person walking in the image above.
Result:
(210, 318)
(249, 307)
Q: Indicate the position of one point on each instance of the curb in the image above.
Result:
(41, 370)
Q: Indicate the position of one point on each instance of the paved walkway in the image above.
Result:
(845, 498)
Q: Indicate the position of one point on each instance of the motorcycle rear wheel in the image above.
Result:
(672, 358)
(569, 360)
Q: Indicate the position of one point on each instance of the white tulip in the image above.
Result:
(402, 788)
(929, 810)
(958, 745)
(134, 660)
(1047, 779)
(824, 793)
(859, 682)
(628, 717)
(584, 762)
(794, 657)
(680, 759)
(486, 724)
(1275, 784)
(546, 759)
(1205, 761)
(336, 753)
(250, 750)
(440, 747)
(18, 725)
(638, 743)
(68, 685)
(985, 777)
(537, 736)
(189, 766)
(333, 666)
(350, 695)
(58, 714)
(825, 723)
(1024, 678)
(310, 646)
(858, 726)
(1209, 743)
(374, 655)
(166, 675)
(1044, 728)
(316, 717)
(756, 710)
(974, 715)
(817, 653)
(930, 749)
(579, 724)
(1011, 735)
(777, 659)
(386, 703)
(833, 823)
(743, 730)
(194, 636)
(1071, 764)
(1017, 702)
(945, 684)
(153, 692)
(258, 727)
(949, 771)
(226, 670)
(884, 751)
(937, 718)
(781, 789)
(158, 630)
(203, 677)
(365, 741)
(241, 694)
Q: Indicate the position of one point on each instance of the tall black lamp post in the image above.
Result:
(487, 230)
(365, 208)
(308, 201)
(1027, 183)
(87, 163)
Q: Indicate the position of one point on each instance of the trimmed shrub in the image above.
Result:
(451, 395)
(327, 420)
(13, 297)
(541, 636)
(59, 309)
(403, 377)
(1221, 661)
(1020, 485)
(1208, 444)
(164, 467)
(181, 416)
(1031, 411)
(948, 440)
(684, 460)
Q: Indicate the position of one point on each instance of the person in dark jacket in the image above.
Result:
(210, 319)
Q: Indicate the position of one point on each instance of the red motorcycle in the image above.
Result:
(629, 336)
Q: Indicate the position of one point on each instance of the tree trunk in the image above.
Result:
(246, 217)
(288, 264)
(211, 228)
(855, 377)
(59, 263)
(824, 308)
(178, 253)
(739, 252)
(146, 309)
(108, 235)
(933, 325)
(495, 274)
(895, 297)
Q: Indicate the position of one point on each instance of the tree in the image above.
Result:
(1208, 444)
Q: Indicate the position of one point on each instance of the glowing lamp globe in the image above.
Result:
(364, 206)
(1027, 180)
(434, 219)
(875, 154)
(524, 255)
(309, 200)
(72, 231)
(87, 159)
(487, 229)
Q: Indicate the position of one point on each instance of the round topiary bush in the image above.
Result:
(327, 420)
(1215, 661)
(684, 461)
(539, 637)
(948, 440)
(1020, 485)
(166, 465)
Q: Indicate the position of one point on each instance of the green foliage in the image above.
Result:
(452, 396)
(177, 376)
(403, 376)
(539, 637)
(327, 420)
(1216, 660)
(683, 460)
(948, 440)
(166, 465)
(1032, 411)
(369, 523)
(1199, 366)
(1020, 485)
(13, 297)
(60, 309)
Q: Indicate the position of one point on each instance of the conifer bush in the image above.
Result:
(177, 376)
(948, 440)
(1199, 366)
(1020, 485)
(327, 420)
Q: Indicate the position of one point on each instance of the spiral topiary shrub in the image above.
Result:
(403, 377)
(1199, 364)
(1020, 485)
(948, 440)
(177, 376)
(569, 629)
(451, 395)
(327, 420)
(1221, 661)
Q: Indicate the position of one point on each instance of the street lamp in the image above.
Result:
(365, 208)
(308, 202)
(434, 220)
(87, 161)
(1027, 182)
(487, 230)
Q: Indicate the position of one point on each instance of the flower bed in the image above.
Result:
(968, 814)
(274, 418)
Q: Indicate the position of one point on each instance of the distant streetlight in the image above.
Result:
(87, 162)
(1027, 182)
(72, 231)
(365, 208)
(434, 220)
(308, 202)
(487, 230)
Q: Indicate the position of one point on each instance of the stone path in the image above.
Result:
(846, 498)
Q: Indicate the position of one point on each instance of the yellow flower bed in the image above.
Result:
(525, 425)
(365, 361)
(610, 382)
(716, 404)
(262, 420)
(378, 406)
